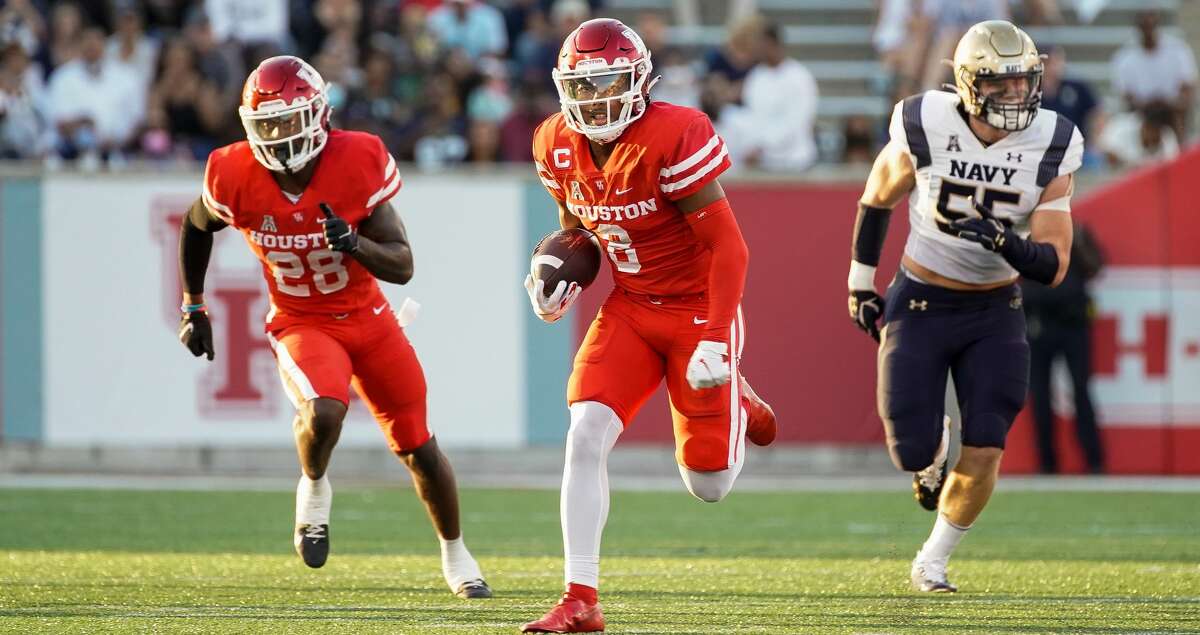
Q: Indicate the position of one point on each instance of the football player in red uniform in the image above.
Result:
(312, 203)
(642, 176)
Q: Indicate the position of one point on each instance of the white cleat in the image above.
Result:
(929, 575)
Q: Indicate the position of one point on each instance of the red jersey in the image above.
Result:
(667, 154)
(355, 173)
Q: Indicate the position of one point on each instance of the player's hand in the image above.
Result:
(986, 230)
(195, 331)
(551, 308)
(709, 365)
(866, 307)
(338, 233)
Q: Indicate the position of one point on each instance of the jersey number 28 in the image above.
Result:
(328, 274)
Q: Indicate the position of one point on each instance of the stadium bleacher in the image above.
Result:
(833, 39)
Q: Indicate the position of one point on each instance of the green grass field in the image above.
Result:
(221, 562)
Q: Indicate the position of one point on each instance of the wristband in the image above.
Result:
(862, 277)
(192, 308)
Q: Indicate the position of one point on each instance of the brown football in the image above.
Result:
(568, 254)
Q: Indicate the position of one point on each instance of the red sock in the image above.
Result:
(582, 592)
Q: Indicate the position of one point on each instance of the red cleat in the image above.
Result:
(760, 419)
(570, 615)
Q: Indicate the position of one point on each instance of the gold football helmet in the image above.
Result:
(998, 75)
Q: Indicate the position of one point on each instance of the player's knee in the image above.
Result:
(987, 429)
(979, 461)
(709, 487)
(425, 457)
(322, 417)
(594, 429)
(911, 455)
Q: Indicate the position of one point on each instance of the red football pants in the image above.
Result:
(323, 355)
(634, 342)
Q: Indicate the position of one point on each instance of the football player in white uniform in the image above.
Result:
(989, 180)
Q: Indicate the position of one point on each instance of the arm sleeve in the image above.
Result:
(383, 176)
(699, 157)
(195, 247)
(717, 229)
(540, 158)
(218, 195)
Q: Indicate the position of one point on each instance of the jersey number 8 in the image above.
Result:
(328, 274)
(620, 248)
(991, 197)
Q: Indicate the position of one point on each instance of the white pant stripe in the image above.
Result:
(294, 380)
(737, 435)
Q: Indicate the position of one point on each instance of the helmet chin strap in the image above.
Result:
(650, 86)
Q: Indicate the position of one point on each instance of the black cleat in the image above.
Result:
(474, 590)
(927, 486)
(928, 483)
(312, 543)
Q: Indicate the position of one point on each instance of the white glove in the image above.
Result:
(708, 366)
(550, 309)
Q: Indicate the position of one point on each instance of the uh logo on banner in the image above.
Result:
(1146, 346)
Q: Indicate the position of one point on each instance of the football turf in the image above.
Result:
(97, 561)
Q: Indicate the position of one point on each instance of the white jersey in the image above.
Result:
(952, 165)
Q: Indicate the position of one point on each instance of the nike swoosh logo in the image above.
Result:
(624, 191)
(696, 320)
(379, 309)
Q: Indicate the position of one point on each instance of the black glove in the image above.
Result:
(338, 234)
(195, 331)
(866, 308)
(985, 230)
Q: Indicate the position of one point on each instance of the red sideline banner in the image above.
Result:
(1146, 336)
(805, 356)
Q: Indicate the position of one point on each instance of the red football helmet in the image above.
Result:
(602, 79)
(285, 110)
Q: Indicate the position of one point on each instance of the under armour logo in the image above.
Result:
(1014, 157)
(952, 145)
(268, 224)
(918, 305)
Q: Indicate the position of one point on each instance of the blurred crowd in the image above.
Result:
(1144, 118)
(466, 81)
(115, 80)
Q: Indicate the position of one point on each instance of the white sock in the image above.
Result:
(584, 502)
(458, 566)
(313, 500)
(942, 540)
